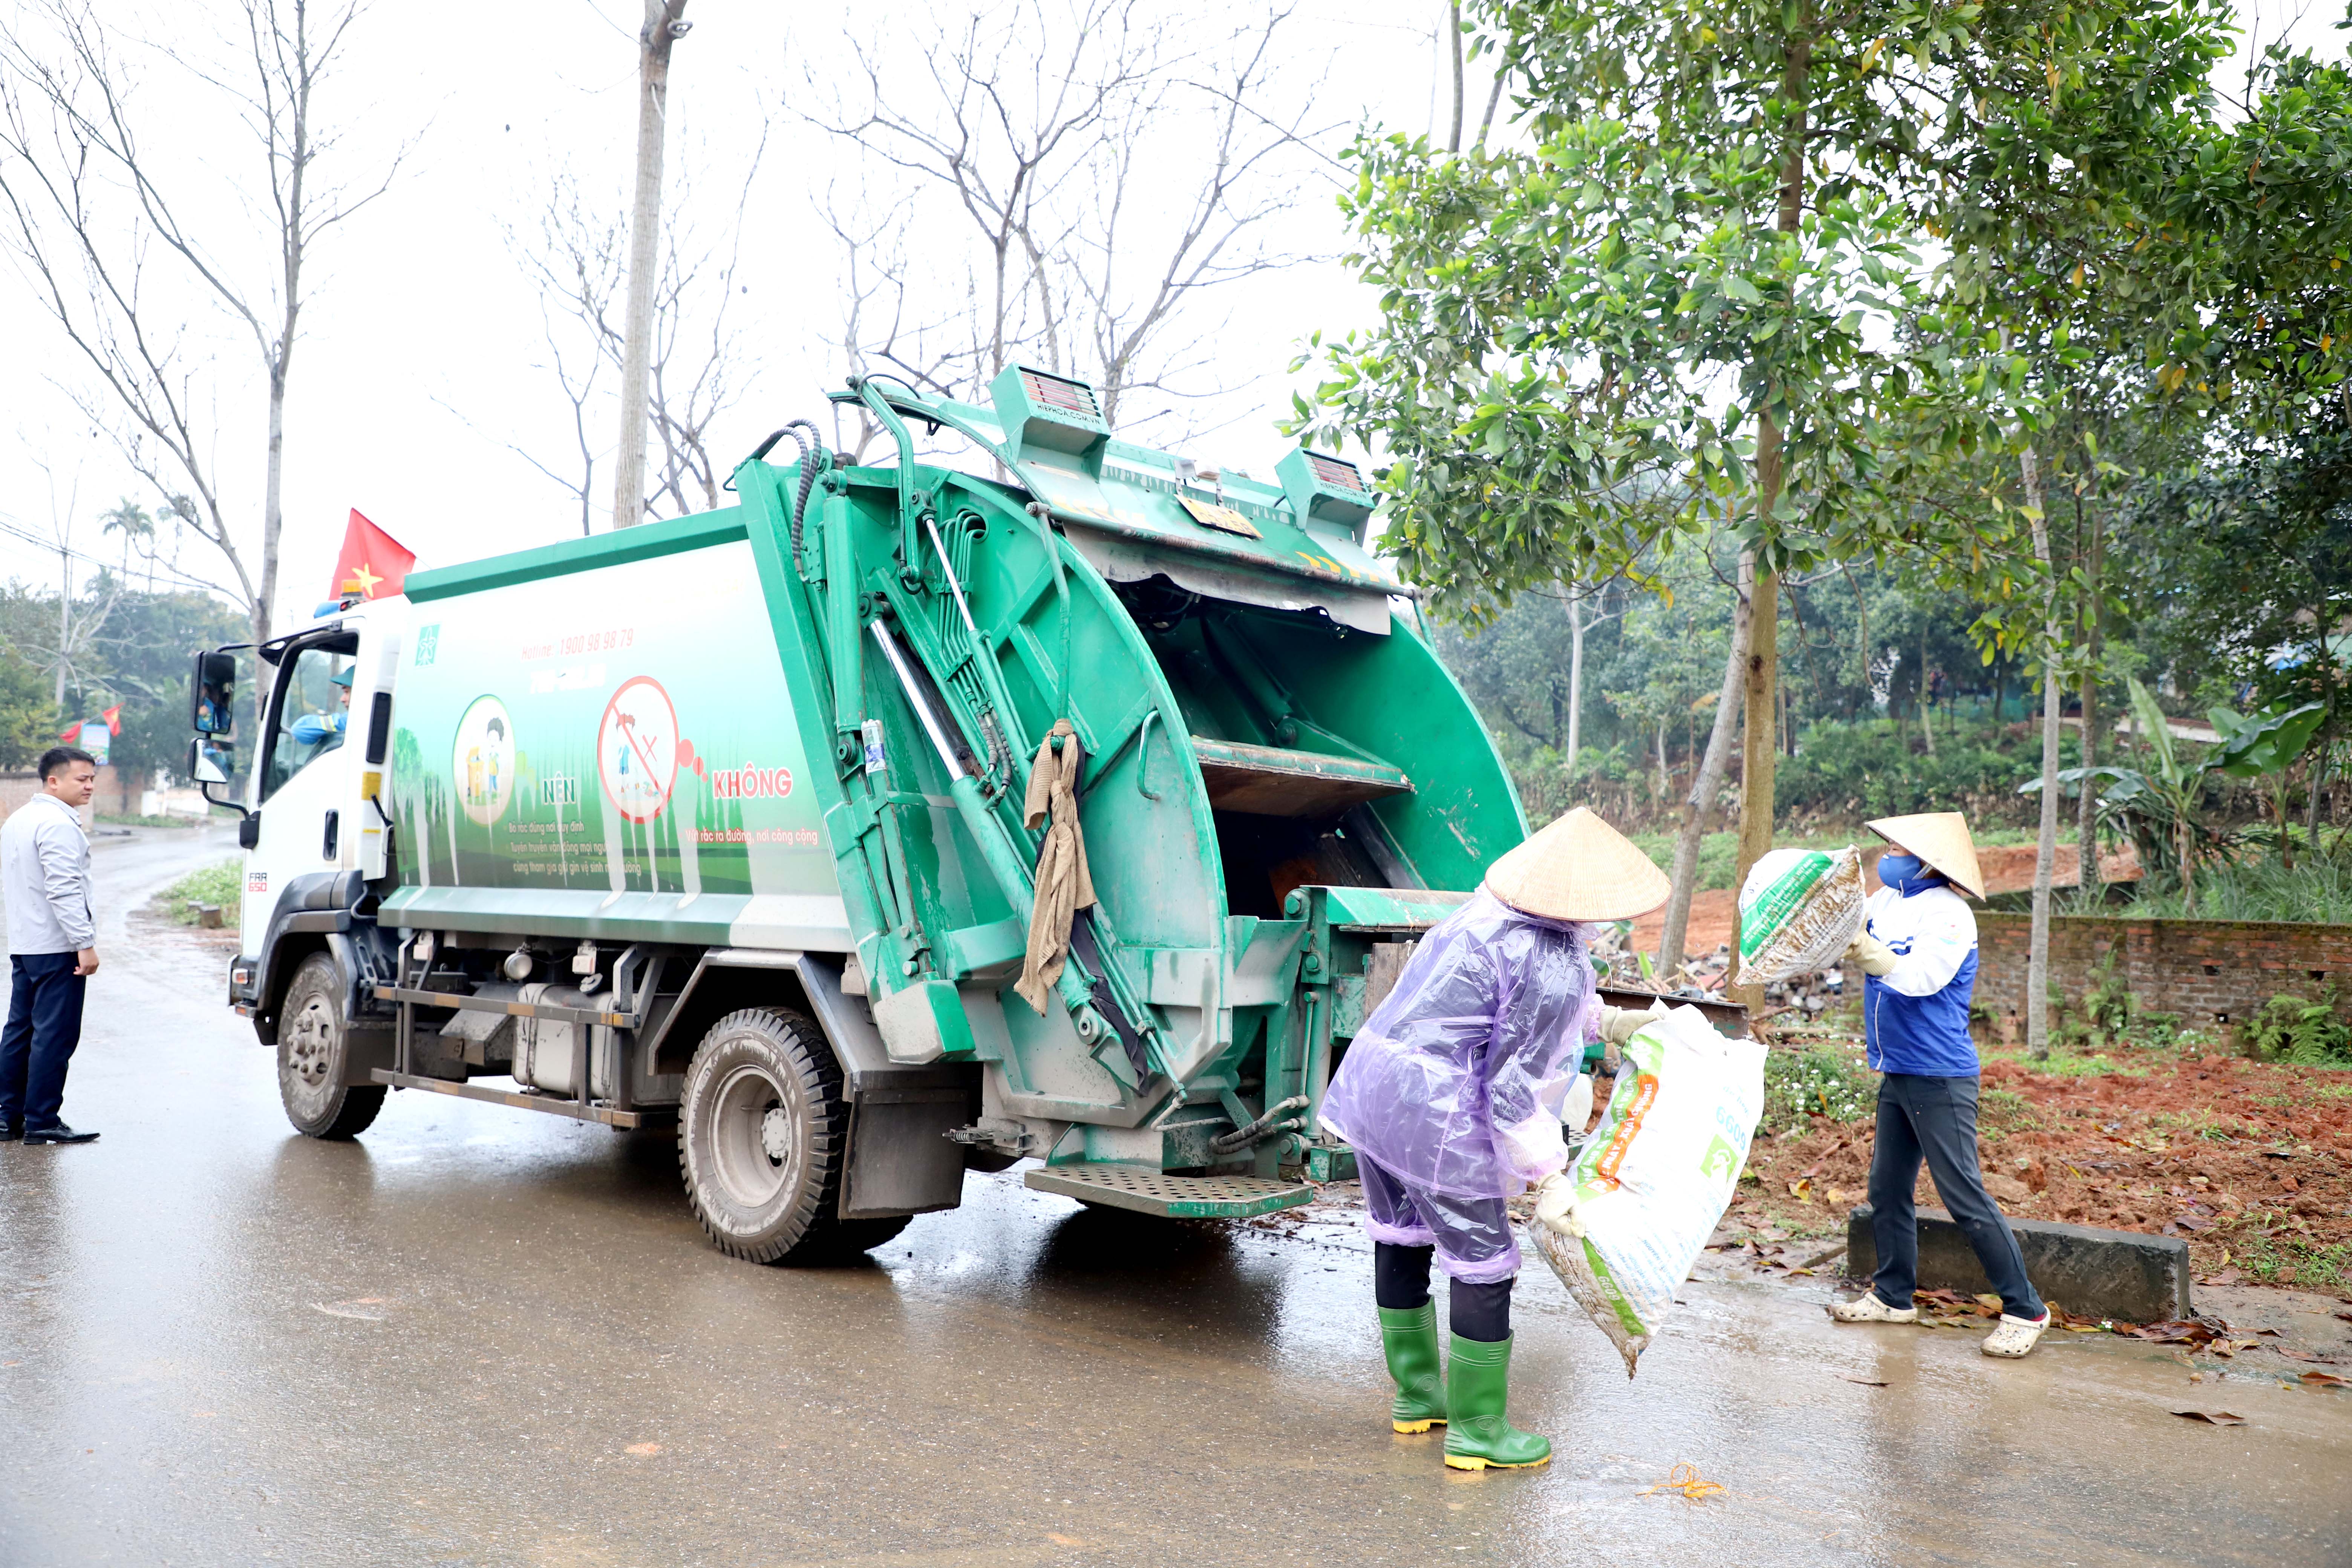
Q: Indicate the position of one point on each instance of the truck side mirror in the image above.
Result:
(204, 764)
(212, 695)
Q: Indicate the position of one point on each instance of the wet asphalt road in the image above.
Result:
(480, 1336)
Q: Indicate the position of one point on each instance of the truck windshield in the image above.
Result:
(313, 714)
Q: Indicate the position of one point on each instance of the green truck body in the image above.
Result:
(624, 792)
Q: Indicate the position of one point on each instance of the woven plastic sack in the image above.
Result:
(1655, 1178)
(1798, 909)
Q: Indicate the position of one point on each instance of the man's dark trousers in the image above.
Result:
(1936, 1117)
(43, 1027)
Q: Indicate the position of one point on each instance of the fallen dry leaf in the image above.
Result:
(1064, 1540)
(1801, 1190)
(2324, 1379)
(2212, 1417)
(643, 1448)
(1685, 1479)
(2303, 1356)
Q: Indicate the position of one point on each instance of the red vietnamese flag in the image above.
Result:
(113, 717)
(374, 564)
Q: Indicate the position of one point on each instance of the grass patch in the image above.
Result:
(117, 819)
(2004, 1111)
(221, 884)
(1821, 1081)
(2071, 1064)
(2289, 1260)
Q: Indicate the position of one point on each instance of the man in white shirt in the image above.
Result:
(52, 947)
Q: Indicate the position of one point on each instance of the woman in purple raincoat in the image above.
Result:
(1452, 1097)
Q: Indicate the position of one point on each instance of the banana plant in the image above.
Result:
(2163, 796)
(2262, 745)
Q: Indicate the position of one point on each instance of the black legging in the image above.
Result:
(1400, 1282)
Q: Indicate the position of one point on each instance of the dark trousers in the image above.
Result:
(1400, 1282)
(1936, 1118)
(43, 1027)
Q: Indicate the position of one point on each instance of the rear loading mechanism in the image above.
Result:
(817, 867)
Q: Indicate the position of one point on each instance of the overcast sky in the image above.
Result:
(421, 361)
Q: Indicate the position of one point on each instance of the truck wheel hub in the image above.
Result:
(313, 1039)
(776, 1135)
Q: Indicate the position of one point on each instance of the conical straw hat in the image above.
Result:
(1578, 868)
(1941, 839)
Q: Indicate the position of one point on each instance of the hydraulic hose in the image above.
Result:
(807, 445)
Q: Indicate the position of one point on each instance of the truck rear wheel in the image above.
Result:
(763, 1132)
(313, 1045)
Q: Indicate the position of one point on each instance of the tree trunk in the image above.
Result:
(1454, 43)
(1926, 712)
(2090, 881)
(661, 31)
(273, 515)
(1759, 750)
(2314, 777)
(1708, 784)
(1575, 682)
(1762, 662)
(2045, 848)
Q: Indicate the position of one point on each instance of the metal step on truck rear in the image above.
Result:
(718, 824)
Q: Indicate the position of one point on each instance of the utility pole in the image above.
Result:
(663, 26)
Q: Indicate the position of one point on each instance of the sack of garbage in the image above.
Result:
(1798, 909)
(1655, 1178)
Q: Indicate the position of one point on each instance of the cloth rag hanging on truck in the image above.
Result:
(1063, 886)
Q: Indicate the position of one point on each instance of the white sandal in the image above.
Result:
(2015, 1336)
(1867, 1308)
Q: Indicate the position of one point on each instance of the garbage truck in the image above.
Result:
(715, 825)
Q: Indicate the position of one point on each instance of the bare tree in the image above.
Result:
(699, 363)
(88, 209)
(1051, 127)
(78, 625)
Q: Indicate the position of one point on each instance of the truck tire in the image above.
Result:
(763, 1132)
(313, 1040)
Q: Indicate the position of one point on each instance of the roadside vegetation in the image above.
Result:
(221, 885)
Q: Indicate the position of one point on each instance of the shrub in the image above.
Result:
(2108, 1013)
(2305, 1034)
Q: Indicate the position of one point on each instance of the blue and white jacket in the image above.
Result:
(1916, 1017)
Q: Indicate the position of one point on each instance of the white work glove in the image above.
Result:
(1578, 1112)
(1556, 1205)
(1618, 1025)
(1871, 955)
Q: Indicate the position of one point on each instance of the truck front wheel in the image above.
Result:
(313, 1048)
(763, 1133)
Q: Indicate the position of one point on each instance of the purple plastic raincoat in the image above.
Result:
(1455, 1084)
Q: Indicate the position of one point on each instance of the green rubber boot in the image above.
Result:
(1410, 1337)
(1478, 1384)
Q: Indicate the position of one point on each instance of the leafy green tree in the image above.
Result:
(1691, 300)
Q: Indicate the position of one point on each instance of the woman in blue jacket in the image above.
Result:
(1917, 953)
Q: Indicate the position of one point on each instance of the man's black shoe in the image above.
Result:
(61, 1133)
(12, 1131)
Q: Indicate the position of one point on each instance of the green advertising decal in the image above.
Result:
(625, 728)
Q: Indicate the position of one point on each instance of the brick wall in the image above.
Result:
(2209, 972)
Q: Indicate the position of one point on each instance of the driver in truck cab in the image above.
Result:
(320, 733)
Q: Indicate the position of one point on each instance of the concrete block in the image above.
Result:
(2092, 1273)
